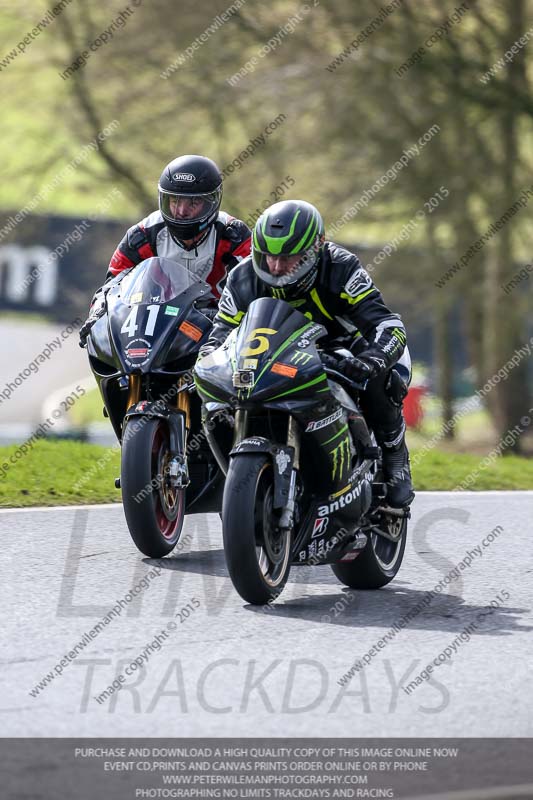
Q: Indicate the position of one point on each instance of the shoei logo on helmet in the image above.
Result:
(187, 177)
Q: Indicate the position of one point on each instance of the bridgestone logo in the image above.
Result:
(323, 423)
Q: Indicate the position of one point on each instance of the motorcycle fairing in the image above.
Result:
(274, 345)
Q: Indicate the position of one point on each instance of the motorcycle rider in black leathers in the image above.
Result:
(188, 228)
(292, 261)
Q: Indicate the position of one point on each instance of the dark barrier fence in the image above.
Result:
(52, 264)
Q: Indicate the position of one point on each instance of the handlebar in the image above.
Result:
(344, 380)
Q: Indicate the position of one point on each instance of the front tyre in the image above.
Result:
(154, 510)
(257, 551)
(380, 560)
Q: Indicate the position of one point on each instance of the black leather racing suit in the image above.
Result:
(345, 300)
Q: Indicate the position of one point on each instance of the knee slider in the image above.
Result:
(396, 388)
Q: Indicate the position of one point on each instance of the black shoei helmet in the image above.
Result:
(289, 228)
(190, 191)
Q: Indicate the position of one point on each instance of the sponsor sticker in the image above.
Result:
(340, 501)
(299, 357)
(323, 423)
(358, 545)
(138, 351)
(172, 311)
(282, 461)
(350, 556)
(137, 298)
(191, 331)
(284, 369)
(318, 549)
(250, 363)
(320, 527)
(309, 335)
(252, 442)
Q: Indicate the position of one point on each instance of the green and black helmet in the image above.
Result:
(286, 247)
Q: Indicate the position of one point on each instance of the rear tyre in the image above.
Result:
(257, 551)
(380, 560)
(154, 510)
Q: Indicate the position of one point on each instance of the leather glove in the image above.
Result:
(97, 311)
(359, 369)
(85, 330)
(210, 313)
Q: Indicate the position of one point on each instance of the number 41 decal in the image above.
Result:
(130, 323)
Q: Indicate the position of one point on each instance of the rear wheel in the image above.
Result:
(380, 560)
(154, 510)
(257, 551)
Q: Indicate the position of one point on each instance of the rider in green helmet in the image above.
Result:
(291, 260)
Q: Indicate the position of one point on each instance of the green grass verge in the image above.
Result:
(438, 470)
(69, 473)
(57, 473)
(87, 409)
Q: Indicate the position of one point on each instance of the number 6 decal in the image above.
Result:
(262, 343)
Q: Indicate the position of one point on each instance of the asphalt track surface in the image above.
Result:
(225, 668)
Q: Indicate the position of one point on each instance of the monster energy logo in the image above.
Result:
(278, 293)
(301, 358)
(400, 335)
(341, 457)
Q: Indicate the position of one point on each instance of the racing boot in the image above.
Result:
(396, 467)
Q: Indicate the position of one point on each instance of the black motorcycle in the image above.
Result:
(143, 342)
(266, 372)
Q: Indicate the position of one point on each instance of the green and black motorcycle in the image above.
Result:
(274, 513)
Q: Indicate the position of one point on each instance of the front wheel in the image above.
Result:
(154, 510)
(257, 551)
(380, 560)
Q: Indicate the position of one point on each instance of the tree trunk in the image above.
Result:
(505, 328)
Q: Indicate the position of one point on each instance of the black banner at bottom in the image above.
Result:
(120, 769)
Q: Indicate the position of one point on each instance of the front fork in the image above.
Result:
(293, 440)
(134, 390)
(178, 471)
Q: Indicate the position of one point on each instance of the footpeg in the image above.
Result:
(372, 452)
(117, 483)
(404, 513)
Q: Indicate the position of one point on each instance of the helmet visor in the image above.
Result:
(188, 208)
(283, 270)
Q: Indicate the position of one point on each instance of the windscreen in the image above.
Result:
(156, 280)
